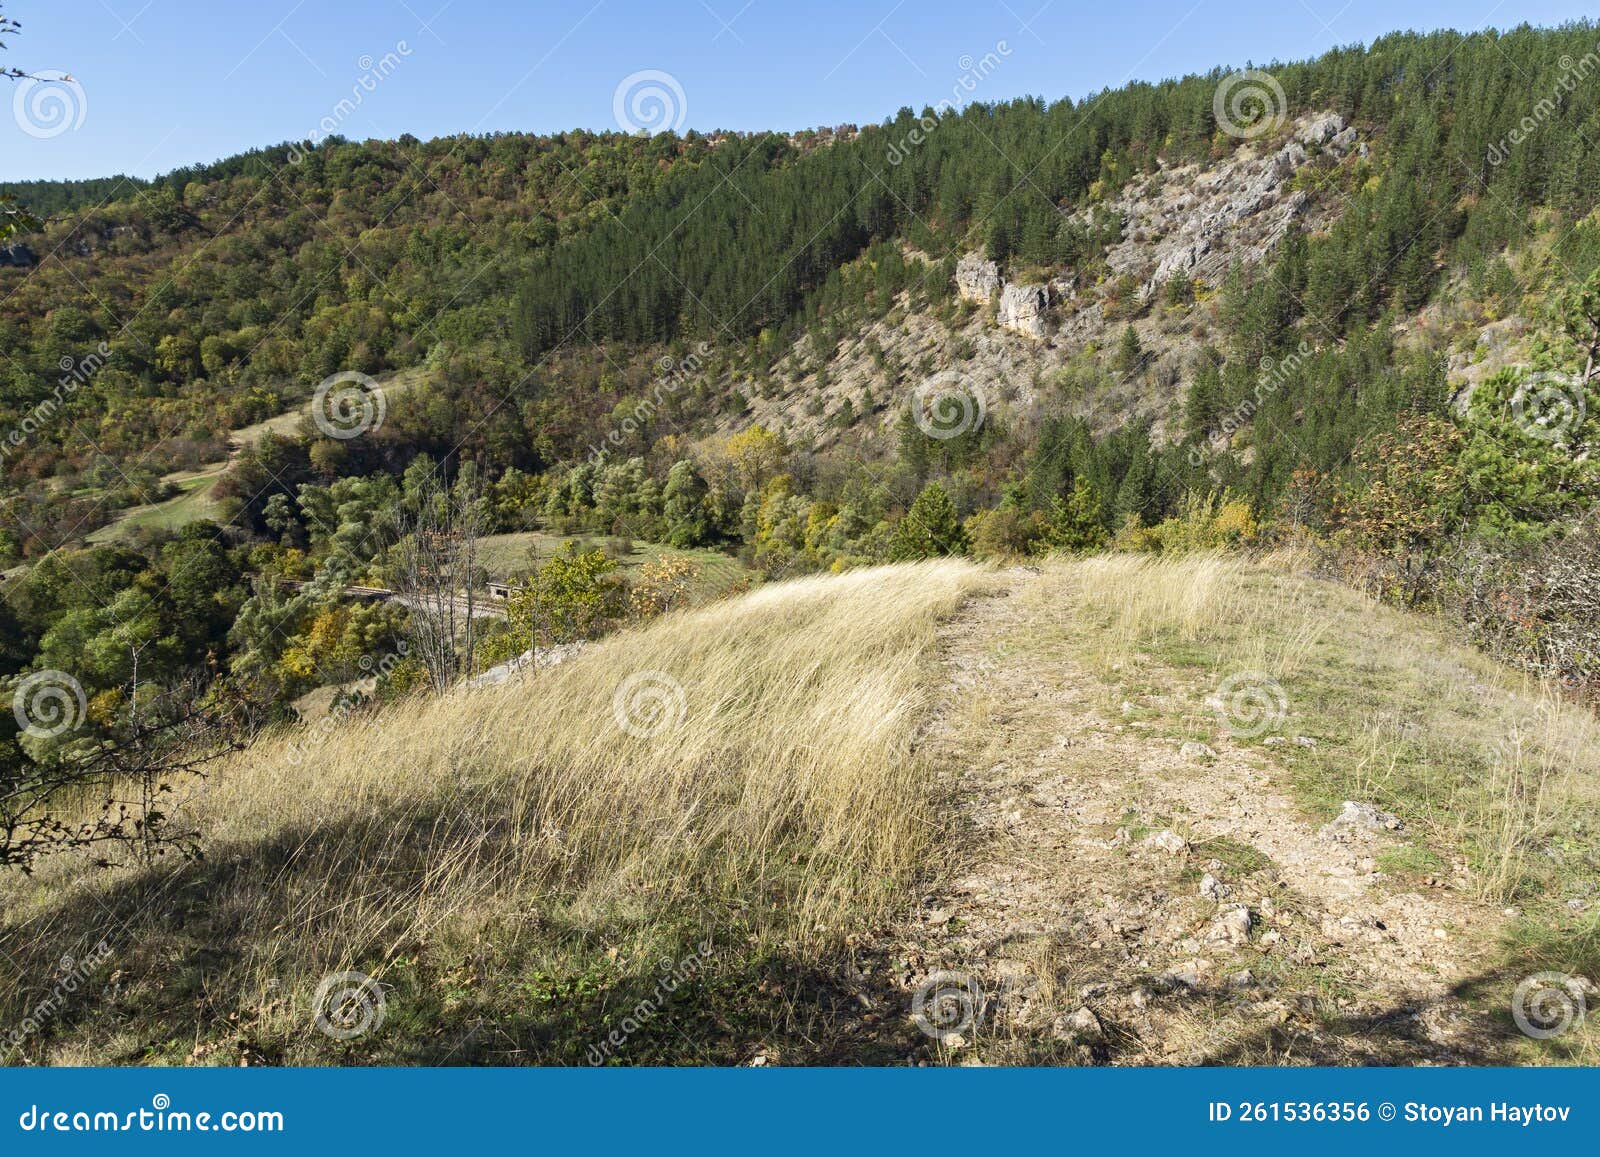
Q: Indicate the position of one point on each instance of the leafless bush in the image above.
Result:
(436, 573)
(119, 788)
(1538, 607)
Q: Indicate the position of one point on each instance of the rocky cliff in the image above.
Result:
(1028, 343)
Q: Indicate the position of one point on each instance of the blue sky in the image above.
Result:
(164, 83)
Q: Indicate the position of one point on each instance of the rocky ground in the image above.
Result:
(1122, 898)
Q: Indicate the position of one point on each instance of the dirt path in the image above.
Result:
(1122, 898)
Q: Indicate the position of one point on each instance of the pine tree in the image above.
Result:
(931, 528)
(1073, 523)
(1130, 351)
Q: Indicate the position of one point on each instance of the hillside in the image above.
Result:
(1056, 323)
(1013, 792)
(1136, 552)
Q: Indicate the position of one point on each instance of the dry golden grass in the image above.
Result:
(512, 863)
(766, 785)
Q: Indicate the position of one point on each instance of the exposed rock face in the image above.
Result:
(977, 279)
(1196, 223)
(1023, 307)
(1193, 220)
(1185, 222)
(1500, 344)
(19, 255)
(1320, 130)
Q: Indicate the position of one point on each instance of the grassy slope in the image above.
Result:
(195, 502)
(1479, 758)
(514, 866)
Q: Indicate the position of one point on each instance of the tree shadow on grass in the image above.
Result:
(216, 961)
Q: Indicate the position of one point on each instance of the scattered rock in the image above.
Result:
(1213, 889)
(1355, 816)
(1082, 1025)
(1187, 974)
(1271, 1011)
(1232, 926)
(1168, 841)
(528, 661)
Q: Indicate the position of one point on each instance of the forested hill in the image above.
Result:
(737, 246)
(223, 293)
(51, 198)
(366, 255)
(1177, 318)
